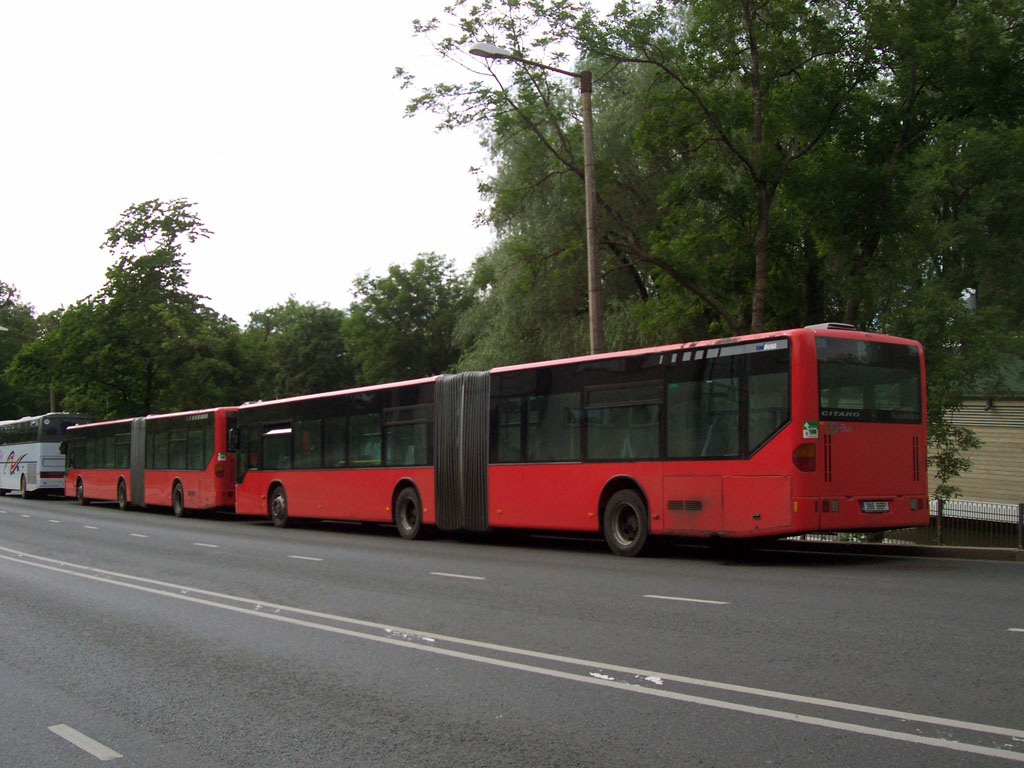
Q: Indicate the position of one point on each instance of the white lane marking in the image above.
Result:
(139, 535)
(687, 599)
(200, 544)
(91, 527)
(302, 557)
(83, 742)
(258, 609)
(55, 521)
(29, 516)
(457, 576)
(1016, 629)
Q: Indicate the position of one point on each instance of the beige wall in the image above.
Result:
(998, 471)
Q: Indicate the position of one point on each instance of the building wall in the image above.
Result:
(998, 472)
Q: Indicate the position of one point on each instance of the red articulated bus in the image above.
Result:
(768, 435)
(176, 460)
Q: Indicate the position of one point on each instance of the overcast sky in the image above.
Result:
(281, 121)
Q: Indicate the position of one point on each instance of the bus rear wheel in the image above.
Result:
(626, 524)
(80, 493)
(24, 488)
(409, 514)
(277, 507)
(178, 500)
(122, 496)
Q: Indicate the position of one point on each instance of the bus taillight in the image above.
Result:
(805, 457)
(218, 469)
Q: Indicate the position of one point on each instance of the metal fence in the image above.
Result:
(954, 522)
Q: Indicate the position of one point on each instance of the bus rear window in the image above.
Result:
(868, 381)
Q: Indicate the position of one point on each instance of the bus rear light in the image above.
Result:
(805, 457)
(218, 470)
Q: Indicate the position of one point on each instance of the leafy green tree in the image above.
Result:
(741, 91)
(144, 343)
(297, 349)
(402, 324)
(18, 396)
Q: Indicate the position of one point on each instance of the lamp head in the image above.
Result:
(491, 51)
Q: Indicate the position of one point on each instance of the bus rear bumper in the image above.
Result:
(874, 513)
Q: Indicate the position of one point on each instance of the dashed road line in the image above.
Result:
(209, 546)
(99, 751)
(687, 599)
(139, 535)
(457, 576)
(303, 557)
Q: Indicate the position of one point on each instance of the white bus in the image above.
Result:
(30, 457)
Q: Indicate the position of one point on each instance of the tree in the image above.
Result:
(19, 396)
(747, 88)
(402, 324)
(143, 343)
(297, 349)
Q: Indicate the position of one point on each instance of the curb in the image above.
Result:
(998, 554)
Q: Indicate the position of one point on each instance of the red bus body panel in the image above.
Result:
(336, 494)
(213, 487)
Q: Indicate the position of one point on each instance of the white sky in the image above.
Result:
(280, 121)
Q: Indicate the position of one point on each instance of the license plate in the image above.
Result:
(874, 506)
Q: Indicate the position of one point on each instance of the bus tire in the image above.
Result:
(277, 507)
(178, 500)
(24, 488)
(626, 523)
(122, 496)
(80, 493)
(409, 514)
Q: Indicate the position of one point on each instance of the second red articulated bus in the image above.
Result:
(176, 460)
(769, 435)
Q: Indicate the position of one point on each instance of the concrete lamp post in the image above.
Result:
(489, 51)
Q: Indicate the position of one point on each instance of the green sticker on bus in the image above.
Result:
(810, 430)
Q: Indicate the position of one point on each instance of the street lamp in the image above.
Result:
(489, 51)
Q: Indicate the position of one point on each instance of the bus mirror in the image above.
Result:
(63, 448)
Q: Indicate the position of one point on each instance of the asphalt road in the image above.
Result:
(140, 639)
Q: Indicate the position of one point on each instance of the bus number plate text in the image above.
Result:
(874, 506)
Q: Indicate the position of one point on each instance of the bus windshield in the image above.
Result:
(55, 426)
(868, 381)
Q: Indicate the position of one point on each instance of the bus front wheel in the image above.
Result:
(122, 496)
(409, 514)
(80, 493)
(277, 507)
(626, 525)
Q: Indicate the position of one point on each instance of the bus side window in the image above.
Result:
(335, 441)
(306, 446)
(507, 430)
(277, 447)
(553, 427)
(365, 440)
